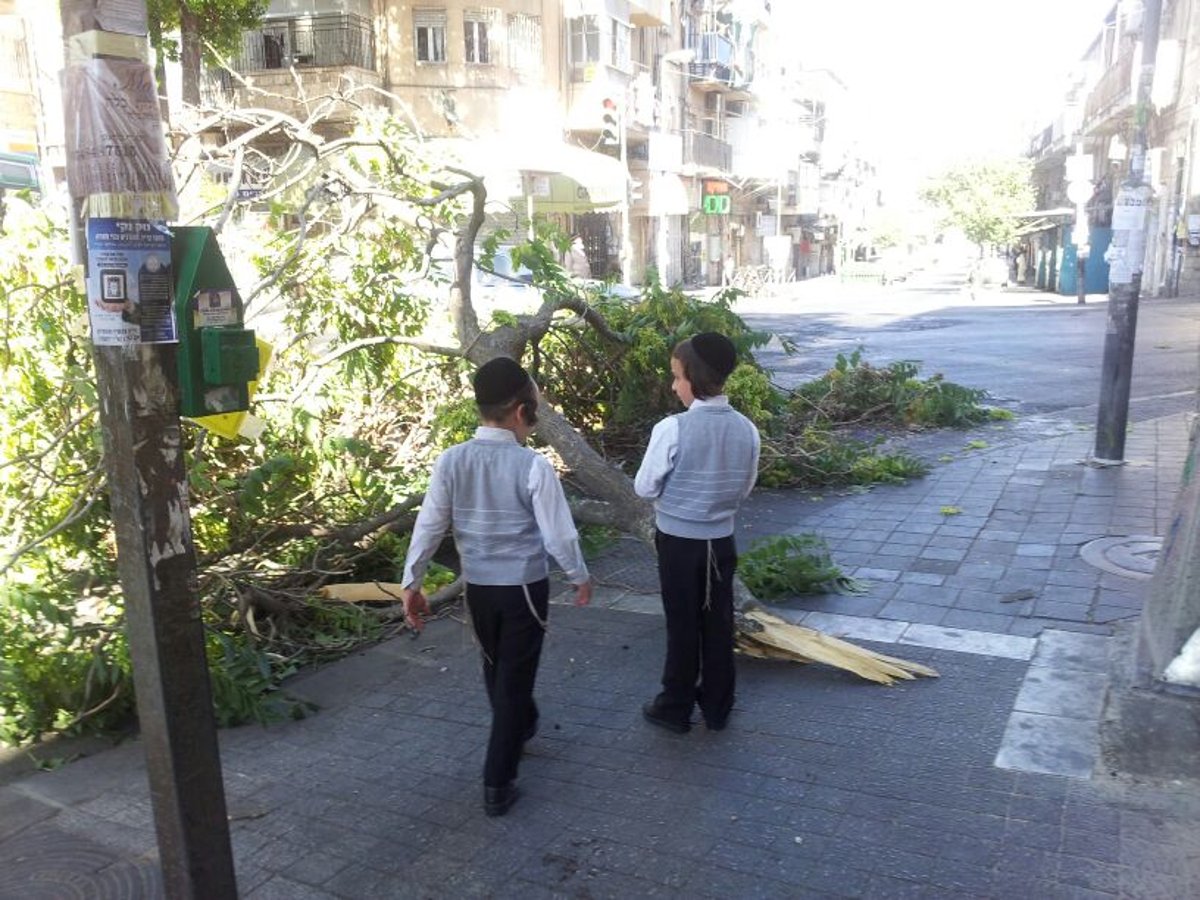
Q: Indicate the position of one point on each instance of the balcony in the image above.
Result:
(311, 41)
(712, 69)
(705, 151)
(1112, 97)
(328, 53)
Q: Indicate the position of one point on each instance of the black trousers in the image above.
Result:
(511, 640)
(697, 594)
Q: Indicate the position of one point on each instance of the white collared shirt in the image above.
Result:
(548, 502)
(663, 450)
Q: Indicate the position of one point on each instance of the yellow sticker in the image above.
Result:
(233, 425)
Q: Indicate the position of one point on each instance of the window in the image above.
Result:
(622, 35)
(585, 40)
(430, 36)
(525, 44)
(476, 27)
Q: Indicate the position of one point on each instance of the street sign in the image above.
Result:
(714, 197)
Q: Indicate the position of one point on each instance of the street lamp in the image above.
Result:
(678, 57)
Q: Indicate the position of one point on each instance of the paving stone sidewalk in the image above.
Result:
(985, 782)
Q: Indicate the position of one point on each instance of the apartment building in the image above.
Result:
(616, 118)
(637, 124)
(1097, 122)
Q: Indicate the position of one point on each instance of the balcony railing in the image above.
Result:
(702, 149)
(714, 56)
(1114, 91)
(308, 41)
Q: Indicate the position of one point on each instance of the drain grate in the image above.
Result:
(1130, 557)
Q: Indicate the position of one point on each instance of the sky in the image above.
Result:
(937, 80)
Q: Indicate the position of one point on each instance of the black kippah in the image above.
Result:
(717, 351)
(499, 380)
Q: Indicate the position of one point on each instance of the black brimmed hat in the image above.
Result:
(717, 351)
(498, 380)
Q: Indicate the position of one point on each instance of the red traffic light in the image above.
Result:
(610, 129)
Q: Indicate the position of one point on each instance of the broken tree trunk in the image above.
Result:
(612, 500)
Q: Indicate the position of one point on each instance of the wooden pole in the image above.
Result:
(122, 194)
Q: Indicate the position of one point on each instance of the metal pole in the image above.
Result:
(1126, 256)
(626, 241)
(1080, 275)
(117, 162)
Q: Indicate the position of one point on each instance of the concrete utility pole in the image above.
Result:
(118, 173)
(1125, 255)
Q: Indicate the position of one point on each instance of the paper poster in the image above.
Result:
(129, 282)
(1129, 214)
(123, 16)
(216, 307)
(114, 135)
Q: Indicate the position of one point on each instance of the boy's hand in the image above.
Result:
(415, 606)
(583, 593)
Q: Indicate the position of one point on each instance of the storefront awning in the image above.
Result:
(1044, 220)
(559, 177)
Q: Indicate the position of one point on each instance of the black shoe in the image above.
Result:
(655, 716)
(530, 732)
(716, 724)
(497, 800)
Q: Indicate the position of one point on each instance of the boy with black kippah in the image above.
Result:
(507, 510)
(699, 466)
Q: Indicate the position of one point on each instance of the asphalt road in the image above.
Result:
(985, 342)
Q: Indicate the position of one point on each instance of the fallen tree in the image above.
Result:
(366, 385)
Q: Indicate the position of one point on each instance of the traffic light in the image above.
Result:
(610, 132)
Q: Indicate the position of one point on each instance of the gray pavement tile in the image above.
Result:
(945, 553)
(1027, 627)
(978, 621)
(1046, 607)
(982, 601)
(1053, 745)
(1110, 615)
(876, 574)
(964, 641)
(981, 568)
(19, 811)
(1069, 650)
(1156, 886)
(912, 612)
(924, 565)
(1069, 693)
(856, 627)
(929, 594)
(281, 888)
(1024, 549)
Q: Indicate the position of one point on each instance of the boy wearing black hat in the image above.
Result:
(699, 466)
(507, 510)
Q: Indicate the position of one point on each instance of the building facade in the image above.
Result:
(669, 97)
(1097, 122)
(637, 124)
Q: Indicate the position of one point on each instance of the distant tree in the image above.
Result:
(201, 24)
(983, 198)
